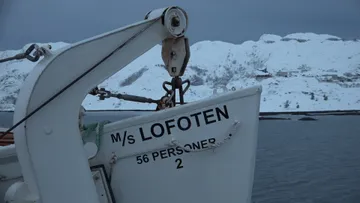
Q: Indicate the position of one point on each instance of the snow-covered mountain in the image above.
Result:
(298, 72)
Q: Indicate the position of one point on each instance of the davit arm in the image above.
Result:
(48, 142)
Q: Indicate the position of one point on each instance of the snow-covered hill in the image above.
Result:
(298, 72)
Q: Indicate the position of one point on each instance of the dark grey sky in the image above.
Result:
(233, 21)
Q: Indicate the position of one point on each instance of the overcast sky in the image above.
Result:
(26, 21)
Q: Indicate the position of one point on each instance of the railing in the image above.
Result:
(300, 116)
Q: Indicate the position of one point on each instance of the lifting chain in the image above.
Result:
(37, 52)
(166, 101)
(176, 84)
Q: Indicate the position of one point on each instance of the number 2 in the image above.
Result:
(179, 162)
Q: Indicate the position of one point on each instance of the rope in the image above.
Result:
(227, 136)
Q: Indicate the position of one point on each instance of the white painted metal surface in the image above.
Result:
(151, 159)
(228, 168)
(198, 152)
(51, 141)
(102, 185)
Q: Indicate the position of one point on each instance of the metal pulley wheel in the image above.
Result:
(175, 53)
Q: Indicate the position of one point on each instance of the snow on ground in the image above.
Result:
(298, 72)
